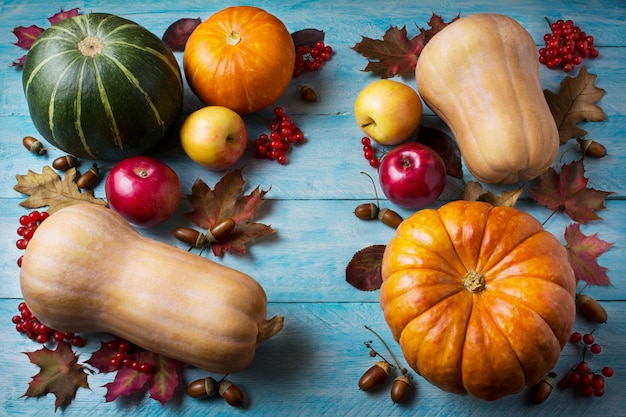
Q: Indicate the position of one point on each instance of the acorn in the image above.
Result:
(374, 375)
(591, 148)
(89, 178)
(542, 389)
(33, 145)
(390, 218)
(366, 211)
(308, 94)
(591, 308)
(400, 388)
(221, 230)
(202, 388)
(231, 393)
(63, 163)
(218, 233)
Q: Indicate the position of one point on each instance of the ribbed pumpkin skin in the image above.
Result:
(240, 57)
(87, 270)
(488, 338)
(480, 74)
(112, 105)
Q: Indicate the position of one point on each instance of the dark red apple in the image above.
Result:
(144, 190)
(412, 175)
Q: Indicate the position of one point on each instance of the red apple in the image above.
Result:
(145, 191)
(412, 175)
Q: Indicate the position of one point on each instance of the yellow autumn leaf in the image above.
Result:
(49, 189)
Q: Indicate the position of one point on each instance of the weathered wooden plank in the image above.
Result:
(312, 368)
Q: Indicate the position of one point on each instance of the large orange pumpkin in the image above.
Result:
(480, 298)
(240, 57)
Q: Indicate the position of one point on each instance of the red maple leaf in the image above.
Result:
(160, 382)
(568, 191)
(60, 374)
(26, 36)
(226, 200)
(396, 53)
(583, 253)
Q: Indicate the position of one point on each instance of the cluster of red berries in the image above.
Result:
(566, 46)
(582, 377)
(283, 133)
(311, 58)
(127, 354)
(28, 224)
(369, 152)
(29, 325)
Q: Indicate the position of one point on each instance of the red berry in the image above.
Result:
(588, 339)
(607, 371)
(583, 369)
(145, 367)
(595, 348)
(78, 341)
(576, 337)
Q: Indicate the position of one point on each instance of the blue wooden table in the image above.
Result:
(313, 365)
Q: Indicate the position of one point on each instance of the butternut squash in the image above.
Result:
(480, 74)
(87, 270)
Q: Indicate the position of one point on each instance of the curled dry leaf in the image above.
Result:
(474, 191)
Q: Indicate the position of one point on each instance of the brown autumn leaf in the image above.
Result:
(226, 200)
(48, 189)
(474, 191)
(575, 103)
(583, 253)
(177, 34)
(445, 146)
(307, 37)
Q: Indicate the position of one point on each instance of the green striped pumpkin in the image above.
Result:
(102, 87)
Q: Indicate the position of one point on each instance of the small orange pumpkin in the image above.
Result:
(241, 57)
(480, 298)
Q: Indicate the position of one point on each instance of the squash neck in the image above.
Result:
(474, 282)
(91, 46)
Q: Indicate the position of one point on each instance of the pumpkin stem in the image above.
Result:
(268, 328)
(91, 46)
(474, 282)
(233, 38)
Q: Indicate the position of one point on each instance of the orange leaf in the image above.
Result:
(60, 374)
(583, 253)
(575, 103)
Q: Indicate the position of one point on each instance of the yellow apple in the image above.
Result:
(388, 111)
(214, 137)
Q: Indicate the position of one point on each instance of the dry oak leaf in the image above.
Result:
(48, 189)
(568, 191)
(60, 374)
(575, 103)
(226, 200)
(583, 253)
(474, 191)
